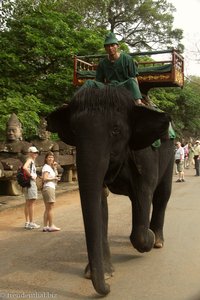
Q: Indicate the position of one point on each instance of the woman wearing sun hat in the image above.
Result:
(30, 193)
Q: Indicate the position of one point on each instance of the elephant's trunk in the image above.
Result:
(91, 173)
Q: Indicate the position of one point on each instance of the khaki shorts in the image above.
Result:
(180, 166)
(31, 192)
(48, 194)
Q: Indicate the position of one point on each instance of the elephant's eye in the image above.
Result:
(116, 130)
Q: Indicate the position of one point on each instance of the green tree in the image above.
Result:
(183, 105)
(142, 24)
(28, 109)
(40, 37)
(188, 104)
(37, 48)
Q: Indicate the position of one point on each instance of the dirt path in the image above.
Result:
(36, 265)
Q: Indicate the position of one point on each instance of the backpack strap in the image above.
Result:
(31, 166)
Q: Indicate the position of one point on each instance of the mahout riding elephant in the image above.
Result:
(113, 139)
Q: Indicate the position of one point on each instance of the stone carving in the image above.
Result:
(64, 154)
(44, 144)
(14, 146)
(13, 153)
(67, 159)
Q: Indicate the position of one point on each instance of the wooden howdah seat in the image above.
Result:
(154, 70)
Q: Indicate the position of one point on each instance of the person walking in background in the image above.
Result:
(190, 155)
(30, 193)
(50, 178)
(197, 157)
(179, 160)
(186, 152)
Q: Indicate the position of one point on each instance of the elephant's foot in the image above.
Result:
(87, 272)
(143, 242)
(159, 242)
(159, 239)
(108, 273)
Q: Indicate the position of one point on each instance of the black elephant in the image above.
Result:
(113, 139)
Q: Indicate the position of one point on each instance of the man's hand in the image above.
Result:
(139, 102)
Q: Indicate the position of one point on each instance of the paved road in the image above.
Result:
(36, 265)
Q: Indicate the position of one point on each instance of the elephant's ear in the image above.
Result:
(59, 122)
(148, 125)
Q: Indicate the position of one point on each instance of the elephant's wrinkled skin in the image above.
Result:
(106, 126)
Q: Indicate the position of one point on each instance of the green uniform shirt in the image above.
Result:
(120, 70)
(118, 73)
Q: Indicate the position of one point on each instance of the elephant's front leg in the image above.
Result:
(160, 200)
(108, 267)
(142, 237)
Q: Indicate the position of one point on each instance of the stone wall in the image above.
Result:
(14, 150)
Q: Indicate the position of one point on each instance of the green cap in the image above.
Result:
(111, 39)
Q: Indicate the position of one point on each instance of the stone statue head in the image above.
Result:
(43, 134)
(13, 129)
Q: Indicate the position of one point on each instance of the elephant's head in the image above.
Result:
(107, 117)
(103, 125)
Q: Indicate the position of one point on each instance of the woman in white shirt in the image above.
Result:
(179, 159)
(50, 179)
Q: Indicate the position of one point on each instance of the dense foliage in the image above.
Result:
(183, 105)
(39, 39)
(37, 46)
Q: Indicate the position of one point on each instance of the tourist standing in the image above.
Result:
(179, 160)
(50, 178)
(197, 157)
(30, 193)
(190, 155)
